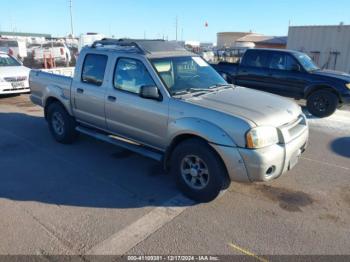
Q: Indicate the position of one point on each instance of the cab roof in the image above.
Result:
(149, 48)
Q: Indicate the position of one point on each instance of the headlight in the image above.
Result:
(348, 85)
(260, 137)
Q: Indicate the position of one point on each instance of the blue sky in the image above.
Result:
(155, 18)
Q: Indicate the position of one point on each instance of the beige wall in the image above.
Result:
(227, 39)
(325, 40)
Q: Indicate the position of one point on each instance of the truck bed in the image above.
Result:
(43, 83)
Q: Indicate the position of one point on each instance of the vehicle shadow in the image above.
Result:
(341, 146)
(8, 95)
(88, 173)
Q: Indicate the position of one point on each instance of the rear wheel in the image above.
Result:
(322, 103)
(61, 124)
(199, 172)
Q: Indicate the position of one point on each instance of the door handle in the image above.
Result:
(80, 90)
(112, 98)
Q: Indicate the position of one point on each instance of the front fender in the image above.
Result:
(201, 128)
(309, 89)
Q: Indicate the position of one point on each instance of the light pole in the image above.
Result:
(176, 25)
(71, 18)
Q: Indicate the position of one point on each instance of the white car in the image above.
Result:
(14, 77)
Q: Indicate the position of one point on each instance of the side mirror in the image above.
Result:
(150, 92)
(224, 76)
(296, 68)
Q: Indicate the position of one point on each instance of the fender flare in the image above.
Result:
(311, 88)
(200, 128)
(194, 127)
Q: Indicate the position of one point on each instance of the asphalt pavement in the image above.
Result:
(95, 198)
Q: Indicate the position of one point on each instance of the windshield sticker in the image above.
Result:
(200, 61)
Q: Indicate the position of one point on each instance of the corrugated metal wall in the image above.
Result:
(329, 46)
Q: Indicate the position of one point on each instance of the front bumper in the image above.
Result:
(7, 88)
(271, 162)
(345, 98)
(261, 165)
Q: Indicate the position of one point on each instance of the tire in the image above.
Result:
(61, 124)
(206, 186)
(322, 103)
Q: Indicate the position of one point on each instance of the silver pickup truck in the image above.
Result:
(157, 99)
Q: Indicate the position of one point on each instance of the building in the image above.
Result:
(28, 37)
(328, 46)
(262, 41)
(228, 39)
(241, 40)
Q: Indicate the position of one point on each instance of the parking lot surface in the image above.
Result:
(95, 198)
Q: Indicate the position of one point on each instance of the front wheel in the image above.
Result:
(322, 103)
(198, 170)
(61, 124)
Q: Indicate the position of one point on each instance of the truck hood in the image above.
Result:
(263, 109)
(333, 74)
(11, 71)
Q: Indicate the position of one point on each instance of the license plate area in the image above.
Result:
(295, 158)
(17, 85)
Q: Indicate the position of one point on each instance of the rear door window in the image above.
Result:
(282, 61)
(256, 59)
(94, 69)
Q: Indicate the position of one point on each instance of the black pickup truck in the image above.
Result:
(292, 74)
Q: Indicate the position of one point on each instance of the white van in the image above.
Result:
(88, 39)
(14, 47)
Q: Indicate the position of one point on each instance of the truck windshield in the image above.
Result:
(307, 62)
(8, 43)
(6, 60)
(181, 74)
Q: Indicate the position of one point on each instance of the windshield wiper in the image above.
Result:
(210, 89)
(180, 93)
(314, 69)
(192, 90)
(219, 86)
(195, 90)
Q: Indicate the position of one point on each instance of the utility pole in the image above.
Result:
(71, 18)
(176, 25)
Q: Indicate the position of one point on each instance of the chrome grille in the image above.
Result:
(292, 130)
